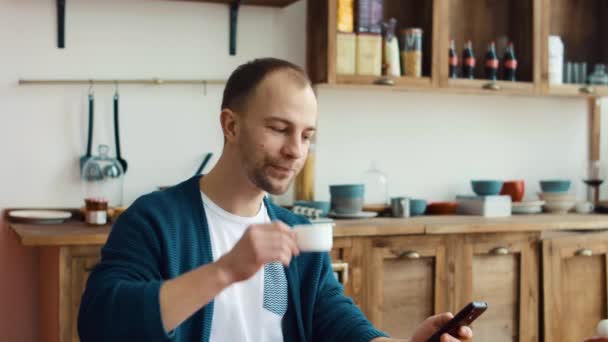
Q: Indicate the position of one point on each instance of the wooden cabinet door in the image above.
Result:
(502, 270)
(81, 267)
(78, 262)
(574, 286)
(346, 259)
(405, 282)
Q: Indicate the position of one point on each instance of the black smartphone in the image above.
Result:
(466, 316)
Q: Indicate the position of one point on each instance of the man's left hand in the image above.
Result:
(430, 325)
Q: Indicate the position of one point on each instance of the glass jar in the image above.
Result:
(376, 187)
(599, 76)
(103, 178)
(411, 53)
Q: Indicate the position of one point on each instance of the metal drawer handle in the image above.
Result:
(341, 267)
(500, 251)
(491, 86)
(584, 252)
(587, 90)
(407, 255)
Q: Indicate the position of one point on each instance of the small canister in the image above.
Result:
(346, 51)
(400, 206)
(369, 54)
(411, 53)
(96, 212)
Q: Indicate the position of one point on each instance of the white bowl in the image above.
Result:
(559, 207)
(556, 196)
(316, 237)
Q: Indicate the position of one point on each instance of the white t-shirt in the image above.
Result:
(248, 311)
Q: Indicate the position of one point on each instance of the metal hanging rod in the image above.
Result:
(152, 81)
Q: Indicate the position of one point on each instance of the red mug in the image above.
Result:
(515, 189)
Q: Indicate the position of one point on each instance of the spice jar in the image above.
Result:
(96, 211)
(411, 54)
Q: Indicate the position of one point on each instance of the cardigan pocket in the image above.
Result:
(275, 288)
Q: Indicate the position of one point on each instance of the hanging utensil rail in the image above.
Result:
(152, 81)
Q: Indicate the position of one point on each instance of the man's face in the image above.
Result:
(275, 131)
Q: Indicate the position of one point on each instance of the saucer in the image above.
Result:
(359, 215)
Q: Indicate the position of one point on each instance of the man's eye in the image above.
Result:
(279, 130)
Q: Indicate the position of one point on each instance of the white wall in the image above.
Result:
(430, 145)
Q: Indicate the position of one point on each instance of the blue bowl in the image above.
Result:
(320, 205)
(486, 187)
(417, 207)
(346, 191)
(555, 185)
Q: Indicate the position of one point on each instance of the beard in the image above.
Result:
(260, 171)
(263, 179)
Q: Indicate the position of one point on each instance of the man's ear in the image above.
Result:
(230, 124)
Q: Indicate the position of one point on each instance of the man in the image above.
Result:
(212, 259)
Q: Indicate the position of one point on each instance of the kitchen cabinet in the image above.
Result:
(581, 25)
(503, 270)
(65, 271)
(481, 21)
(400, 271)
(574, 284)
(404, 281)
(269, 3)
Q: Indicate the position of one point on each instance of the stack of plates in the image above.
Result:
(527, 207)
(558, 202)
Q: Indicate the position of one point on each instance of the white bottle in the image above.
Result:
(556, 60)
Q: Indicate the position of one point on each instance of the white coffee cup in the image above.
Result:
(584, 207)
(316, 237)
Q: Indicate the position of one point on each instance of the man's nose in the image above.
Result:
(295, 147)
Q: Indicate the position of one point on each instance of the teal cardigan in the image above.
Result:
(165, 234)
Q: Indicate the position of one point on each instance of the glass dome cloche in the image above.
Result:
(103, 177)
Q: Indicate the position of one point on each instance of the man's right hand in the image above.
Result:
(261, 244)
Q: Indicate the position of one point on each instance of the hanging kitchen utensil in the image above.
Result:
(234, 14)
(203, 164)
(122, 162)
(87, 156)
(61, 24)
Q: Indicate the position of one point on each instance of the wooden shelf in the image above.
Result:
(496, 87)
(414, 82)
(268, 3)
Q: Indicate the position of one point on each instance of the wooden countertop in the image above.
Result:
(77, 233)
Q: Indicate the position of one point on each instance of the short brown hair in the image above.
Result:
(244, 80)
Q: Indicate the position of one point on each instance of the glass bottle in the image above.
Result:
(599, 76)
(376, 186)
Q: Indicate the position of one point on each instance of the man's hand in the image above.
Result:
(430, 325)
(259, 245)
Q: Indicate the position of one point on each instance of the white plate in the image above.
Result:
(527, 204)
(526, 210)
(361, 214)
(40, 216)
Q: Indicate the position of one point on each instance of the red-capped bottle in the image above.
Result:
(453, 60)
(468, 61)
(510, 64)
(491, 63)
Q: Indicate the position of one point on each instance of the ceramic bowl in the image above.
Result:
(555, 185)
(486, 187)
(417, 207)
(515, 189)
(441, 208)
